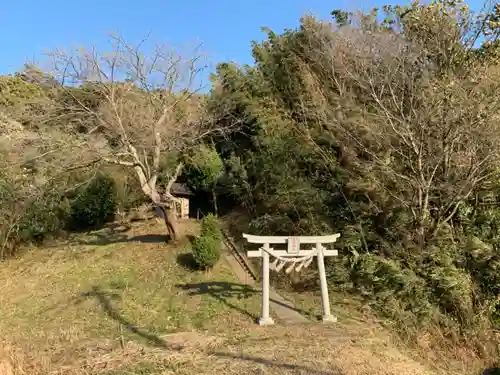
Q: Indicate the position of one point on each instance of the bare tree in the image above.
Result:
(151, 110)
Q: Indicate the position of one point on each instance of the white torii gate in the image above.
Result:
(297, 259)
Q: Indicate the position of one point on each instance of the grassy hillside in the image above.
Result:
(122, 303)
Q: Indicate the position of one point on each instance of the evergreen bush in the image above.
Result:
(206, 251)
(210, 227)
(94, 205)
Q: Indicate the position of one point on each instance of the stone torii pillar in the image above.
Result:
(294, 258)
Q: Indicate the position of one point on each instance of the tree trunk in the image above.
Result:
(214, 199)
(167, 211)
(170, 221)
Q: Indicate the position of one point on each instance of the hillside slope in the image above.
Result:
(124, 302)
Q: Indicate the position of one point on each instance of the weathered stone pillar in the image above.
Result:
(325, 299)
(265, 318)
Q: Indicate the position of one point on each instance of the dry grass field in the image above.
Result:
(125, 303)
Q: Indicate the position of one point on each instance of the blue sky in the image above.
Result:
(28, 27)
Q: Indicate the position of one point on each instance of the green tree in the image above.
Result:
(204, 168)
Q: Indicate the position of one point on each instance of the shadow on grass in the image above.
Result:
(150, 238)
(114, 227)
(105, 300)
(224, 291)
(187, 261)
(491, 371)
(107, 238)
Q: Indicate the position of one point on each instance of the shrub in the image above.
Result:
(28, 213)
(44, 216)
(338, 271)
(386, 280)
(453, 290)
(206, 251)
(210, 227)
(94, 205)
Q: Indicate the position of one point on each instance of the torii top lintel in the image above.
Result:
(284, 239)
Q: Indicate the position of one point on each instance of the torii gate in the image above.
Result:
(298, 259)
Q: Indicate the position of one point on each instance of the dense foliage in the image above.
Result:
(382, 126)
(94, 204)
(210, 227)
(204, 171)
